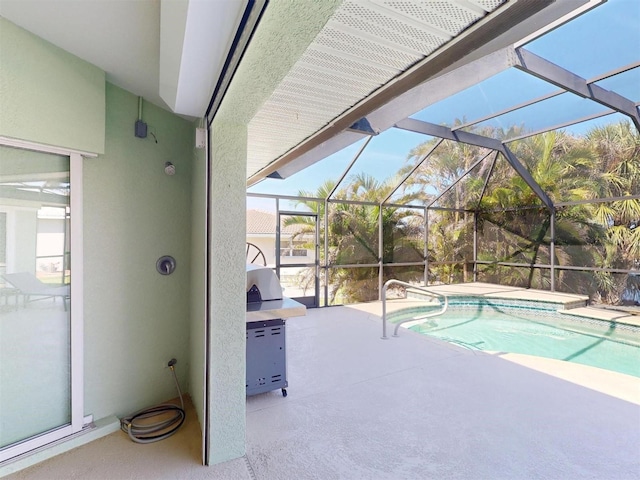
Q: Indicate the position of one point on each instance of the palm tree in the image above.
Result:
(450, 221)
(353, 232)
(522, 223)
(617, 148)
(605, 163)
(514, 219)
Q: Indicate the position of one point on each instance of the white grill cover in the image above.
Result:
(266, 280)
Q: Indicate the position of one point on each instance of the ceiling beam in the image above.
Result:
(552, 73)
(440, 88)
(526, 176)
(330, 146)
(440, 131)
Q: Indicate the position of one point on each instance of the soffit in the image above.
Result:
(120, 37)
(171, 52)
(363, 46)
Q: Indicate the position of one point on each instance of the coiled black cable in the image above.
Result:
(153, 432)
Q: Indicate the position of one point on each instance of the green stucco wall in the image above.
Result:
(227, 382)
(48, 95)
(284, 33)
(136, 319)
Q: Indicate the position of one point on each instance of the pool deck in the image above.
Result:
(568, 304)
(624, 387)
(411, 407)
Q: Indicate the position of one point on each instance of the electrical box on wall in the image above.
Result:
(201, 137)
(141, 129)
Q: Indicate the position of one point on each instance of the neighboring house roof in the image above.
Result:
(260, 222)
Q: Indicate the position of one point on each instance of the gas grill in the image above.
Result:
(267, 311)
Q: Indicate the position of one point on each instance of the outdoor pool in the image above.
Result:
(491, 326)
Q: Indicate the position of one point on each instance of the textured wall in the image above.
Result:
(48, 95)
(135, 319)
(285, 31)
(228, 299)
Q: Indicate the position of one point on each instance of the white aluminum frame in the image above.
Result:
(77, 308)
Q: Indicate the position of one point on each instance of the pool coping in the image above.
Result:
(489, 290)
(606, 315)
(569, 304)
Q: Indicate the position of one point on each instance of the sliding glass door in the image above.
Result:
(36, 329)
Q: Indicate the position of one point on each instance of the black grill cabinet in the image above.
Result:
(267, 344)
(266, 356)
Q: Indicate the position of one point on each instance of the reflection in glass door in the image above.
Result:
(35, 295)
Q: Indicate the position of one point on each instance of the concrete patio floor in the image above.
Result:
(410, 407)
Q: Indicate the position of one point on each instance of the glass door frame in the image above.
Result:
(76, 309)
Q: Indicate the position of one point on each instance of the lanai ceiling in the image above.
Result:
(368, 53)
(364, 45)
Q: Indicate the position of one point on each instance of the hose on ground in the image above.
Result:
(149, 432)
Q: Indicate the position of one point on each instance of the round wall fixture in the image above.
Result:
(166, 265)
(169, 168)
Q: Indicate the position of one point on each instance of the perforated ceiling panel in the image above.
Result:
(487, 5)
(364, 45)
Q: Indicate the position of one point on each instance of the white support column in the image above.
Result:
(226, 345)
(77, 294)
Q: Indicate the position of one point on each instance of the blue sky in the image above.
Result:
(601, 40)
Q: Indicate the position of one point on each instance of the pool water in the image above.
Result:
(595, 343)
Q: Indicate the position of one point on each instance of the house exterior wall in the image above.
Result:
(227, 347)
(285, 31)
(267, 244)
(136, 320)
(48, 95)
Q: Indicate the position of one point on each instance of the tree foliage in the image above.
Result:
(353, 234)
(458, 181)
(514, 224)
